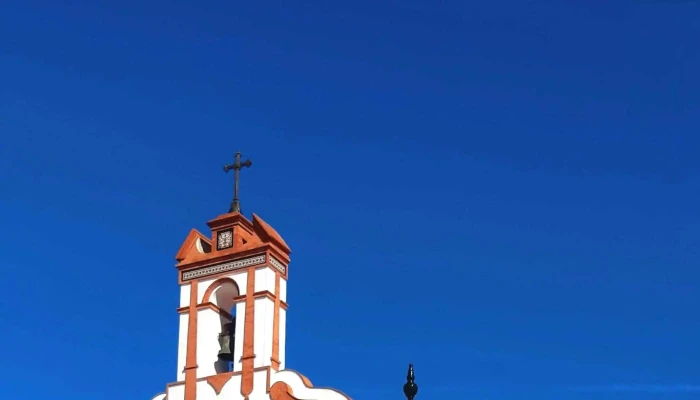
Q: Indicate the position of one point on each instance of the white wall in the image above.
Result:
(176, 392)
(264, 316)
(231, 390)
(240, 329)
(282, 338)
(182, 333)
(182, 347)
(283, 290)
(264, 280)
(185, 295)
(260, 386)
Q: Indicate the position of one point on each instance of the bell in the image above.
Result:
(226, 341)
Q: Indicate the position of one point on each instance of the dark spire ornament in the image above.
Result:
(410, 389)
(236, 167)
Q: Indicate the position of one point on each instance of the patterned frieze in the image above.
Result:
(278, 265)
(259, 259)
(223, 267)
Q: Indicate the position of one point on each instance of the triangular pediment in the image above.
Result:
(195, 243)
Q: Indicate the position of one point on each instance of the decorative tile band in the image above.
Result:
(277, 265)
(229, 266)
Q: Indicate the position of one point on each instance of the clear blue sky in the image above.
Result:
(503, 192)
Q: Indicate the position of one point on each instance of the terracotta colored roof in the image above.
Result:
(268, 233)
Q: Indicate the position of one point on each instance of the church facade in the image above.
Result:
(232, 311)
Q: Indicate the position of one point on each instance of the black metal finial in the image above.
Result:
(410, 389)
(236, 167)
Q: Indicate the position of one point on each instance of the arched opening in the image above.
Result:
(223, 296)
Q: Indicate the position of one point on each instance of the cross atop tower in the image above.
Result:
(236, 167)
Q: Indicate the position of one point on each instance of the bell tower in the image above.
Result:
(232, 313)
(233, 289)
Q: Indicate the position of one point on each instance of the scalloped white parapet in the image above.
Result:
(267, 385)
(302, 389)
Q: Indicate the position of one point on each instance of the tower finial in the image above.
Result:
(236, 167)
(410, 389)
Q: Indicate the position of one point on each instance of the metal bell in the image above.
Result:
(226, 341)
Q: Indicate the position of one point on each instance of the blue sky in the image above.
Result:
(503, 192)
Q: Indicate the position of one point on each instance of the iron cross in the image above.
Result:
(236, 167)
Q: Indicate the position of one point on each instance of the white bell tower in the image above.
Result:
(232, 315)
(236, 280)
